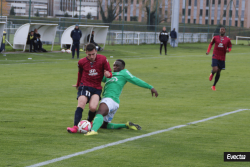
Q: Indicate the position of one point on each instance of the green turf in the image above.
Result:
(38, 103)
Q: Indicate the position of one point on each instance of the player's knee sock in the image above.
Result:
(91, 116)
(116, 126)
(78, 115)
(98, 121)
(217, 77)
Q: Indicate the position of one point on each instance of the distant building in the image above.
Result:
(21, 7)
(72, 7)
(218, 12)
(54, 8)
(191, 11)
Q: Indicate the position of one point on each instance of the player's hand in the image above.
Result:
(106, 73)
(227, 50)
(207, 53)
(153, 91)
(75, 86)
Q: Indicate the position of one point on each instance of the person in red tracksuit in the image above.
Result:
(92, 68)
(222, 46)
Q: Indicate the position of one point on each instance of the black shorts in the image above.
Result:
(219, 63)
(88, 92)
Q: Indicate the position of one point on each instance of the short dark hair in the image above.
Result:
(120, 60)
(223, 27)
(90, 47)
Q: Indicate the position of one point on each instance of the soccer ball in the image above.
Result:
(84, 126)
(63, 50)
(68, 51)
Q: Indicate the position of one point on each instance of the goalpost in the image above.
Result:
(245, 39)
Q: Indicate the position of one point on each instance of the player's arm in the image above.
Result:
(104, 79)
(80, 70)
(136, 81)
(229, 46)
(107, 69)
(210, 46)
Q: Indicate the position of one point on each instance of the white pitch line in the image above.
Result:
(130, 139)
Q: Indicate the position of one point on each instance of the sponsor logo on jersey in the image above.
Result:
(164, 33)
(93, 72)
(220, 45)
(113, 79)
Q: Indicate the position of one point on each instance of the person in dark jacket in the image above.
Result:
(91, 40)
(163, 37)
(30, 40)
(40, 44)
(76, 35)
(35, 40)
(173, 36)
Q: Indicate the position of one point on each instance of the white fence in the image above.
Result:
(152, 37)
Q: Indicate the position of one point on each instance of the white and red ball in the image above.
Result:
(63, 50)
(84, 126)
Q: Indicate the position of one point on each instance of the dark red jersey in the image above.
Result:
(91, 73)
(220, 48)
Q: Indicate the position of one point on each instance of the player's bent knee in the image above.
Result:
(92, 108)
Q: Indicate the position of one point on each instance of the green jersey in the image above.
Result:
(113, 86)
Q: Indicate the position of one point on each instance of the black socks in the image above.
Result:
(78, 115)
(217, 77)
(91, 116)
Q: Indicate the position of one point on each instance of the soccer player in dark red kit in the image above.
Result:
(92, 68)
(222, 46)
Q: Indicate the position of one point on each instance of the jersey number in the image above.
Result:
(87, 93)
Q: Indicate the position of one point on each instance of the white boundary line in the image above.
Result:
(130, 139)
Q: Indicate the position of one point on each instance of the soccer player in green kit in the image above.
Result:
(110, 102)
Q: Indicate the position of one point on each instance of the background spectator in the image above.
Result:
(98, 48)
(173, 35)
(76, 35)
(163, 37)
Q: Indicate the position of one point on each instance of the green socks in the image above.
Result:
(116, 126)
(98, 121)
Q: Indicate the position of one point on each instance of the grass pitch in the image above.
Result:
(38, 103)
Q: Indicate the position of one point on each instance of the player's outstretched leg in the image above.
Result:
(78, 117)
(217, 77)
(116, 126)
(82, 100)
(133, 126)
(98, 121)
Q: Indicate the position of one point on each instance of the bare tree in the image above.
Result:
(152, 15)
(110, 11)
